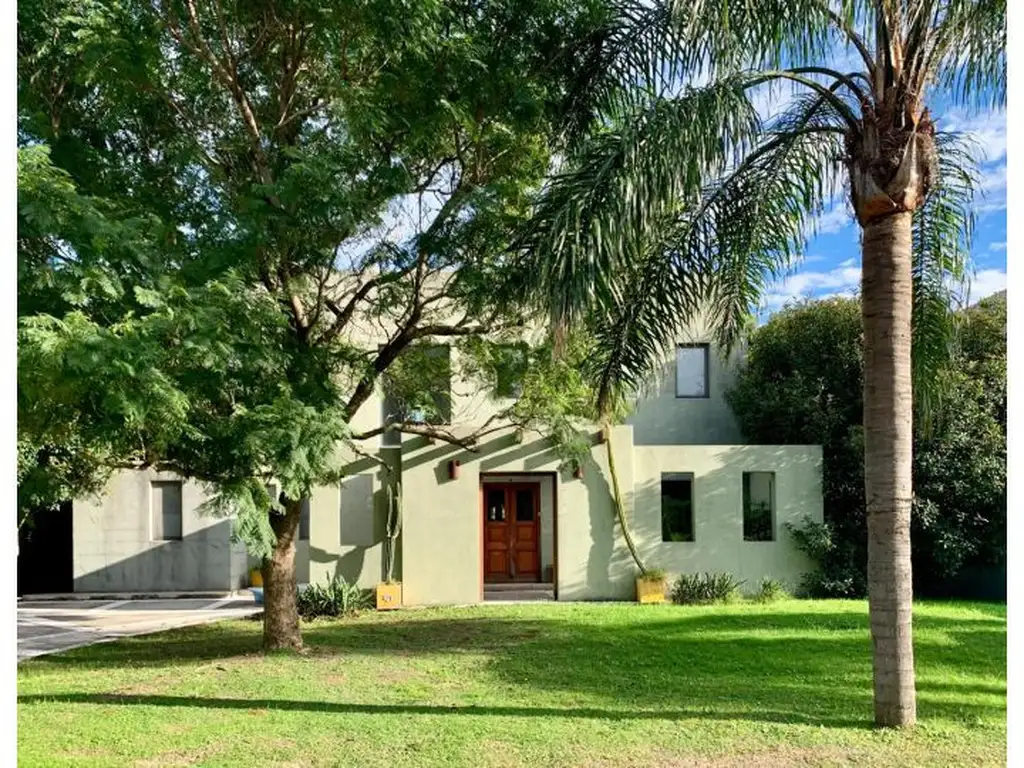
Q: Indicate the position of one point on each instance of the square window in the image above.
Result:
(165, 499)
(677, 507)
(417, 388)
(692, 370)
(759, 506)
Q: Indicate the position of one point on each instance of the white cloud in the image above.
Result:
(843, 280)
(984, 283)
(988, 129)
(834, 220)
(997, 246)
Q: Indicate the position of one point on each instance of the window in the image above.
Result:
(165, 499)
(692, 370)
(758, 506)
(677, 507)
(417, 388)
(304, 521)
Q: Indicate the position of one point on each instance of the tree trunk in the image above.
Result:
(620, 508)
(888, 483)
(280, 591)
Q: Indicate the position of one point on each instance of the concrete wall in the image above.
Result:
(114, 550)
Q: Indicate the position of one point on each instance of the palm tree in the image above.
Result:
(678, 200)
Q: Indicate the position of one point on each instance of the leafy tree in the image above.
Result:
(270, 145)
(801, 384)
(679, 200)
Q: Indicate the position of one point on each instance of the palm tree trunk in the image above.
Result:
(617, 500)
(280, 591)
(888, 417)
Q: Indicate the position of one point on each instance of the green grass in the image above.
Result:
(526, 685)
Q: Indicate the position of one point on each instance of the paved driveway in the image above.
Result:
(47, 626)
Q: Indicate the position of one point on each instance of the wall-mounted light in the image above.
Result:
(578, 472)
(453, 469)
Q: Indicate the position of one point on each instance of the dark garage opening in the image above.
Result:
(45, 555)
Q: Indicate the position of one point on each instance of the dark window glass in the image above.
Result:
(496, 505)
(304, 521)
(525, 512)
(677, 508)
(758, 506)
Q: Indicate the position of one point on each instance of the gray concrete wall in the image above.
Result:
(114, 549)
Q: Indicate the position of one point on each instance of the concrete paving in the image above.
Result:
(52, 626)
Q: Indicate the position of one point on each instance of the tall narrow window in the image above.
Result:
(692, 370)
(677, 507)
(304, 521)
(758, 506)
(417, 389)
(166, 510)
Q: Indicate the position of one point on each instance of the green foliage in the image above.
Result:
(705, 589)
(802, 385)
(653, 575)
(335, 598)
(771, 591)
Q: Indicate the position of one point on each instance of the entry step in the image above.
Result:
(510, 591)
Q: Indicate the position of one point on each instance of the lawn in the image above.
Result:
(525, 685)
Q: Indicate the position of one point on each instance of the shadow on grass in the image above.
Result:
(792, 666)
(342, 708)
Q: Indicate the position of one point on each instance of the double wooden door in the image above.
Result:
(511, 532)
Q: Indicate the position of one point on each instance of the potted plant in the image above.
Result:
(651, 586)
(389, 594)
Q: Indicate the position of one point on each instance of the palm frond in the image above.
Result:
(943, 229)
(712, 258)
(591, 218)
(968, 56)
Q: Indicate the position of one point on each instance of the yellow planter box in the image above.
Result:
(255, 578)
(389, 596)
(650, 591)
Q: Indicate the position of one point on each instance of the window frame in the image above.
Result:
(153, 486)
(706, 348)
(393, 438)
(691, 478)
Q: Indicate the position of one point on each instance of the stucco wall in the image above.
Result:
(114, 551)
(718, 508)
(442, 535)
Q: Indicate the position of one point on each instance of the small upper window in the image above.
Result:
(304, 521)
(692, 370)
(417, 389)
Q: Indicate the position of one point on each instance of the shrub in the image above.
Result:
(703, 589)
(653, 574)
(771, 590)
(336, 598)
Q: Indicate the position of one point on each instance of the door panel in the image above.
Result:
(496, 534)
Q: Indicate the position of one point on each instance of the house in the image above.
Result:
(475, 521)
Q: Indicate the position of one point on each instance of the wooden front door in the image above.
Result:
(511, 532)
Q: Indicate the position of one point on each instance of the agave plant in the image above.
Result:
(679, 202)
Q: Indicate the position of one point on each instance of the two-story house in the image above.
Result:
(698, 500)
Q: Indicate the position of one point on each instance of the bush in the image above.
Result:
(770, 591)
(336, 598)
(704, 589)
(653, 574)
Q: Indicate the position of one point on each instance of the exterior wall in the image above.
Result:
(718, 508)
(442, 538)
(114, 550)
